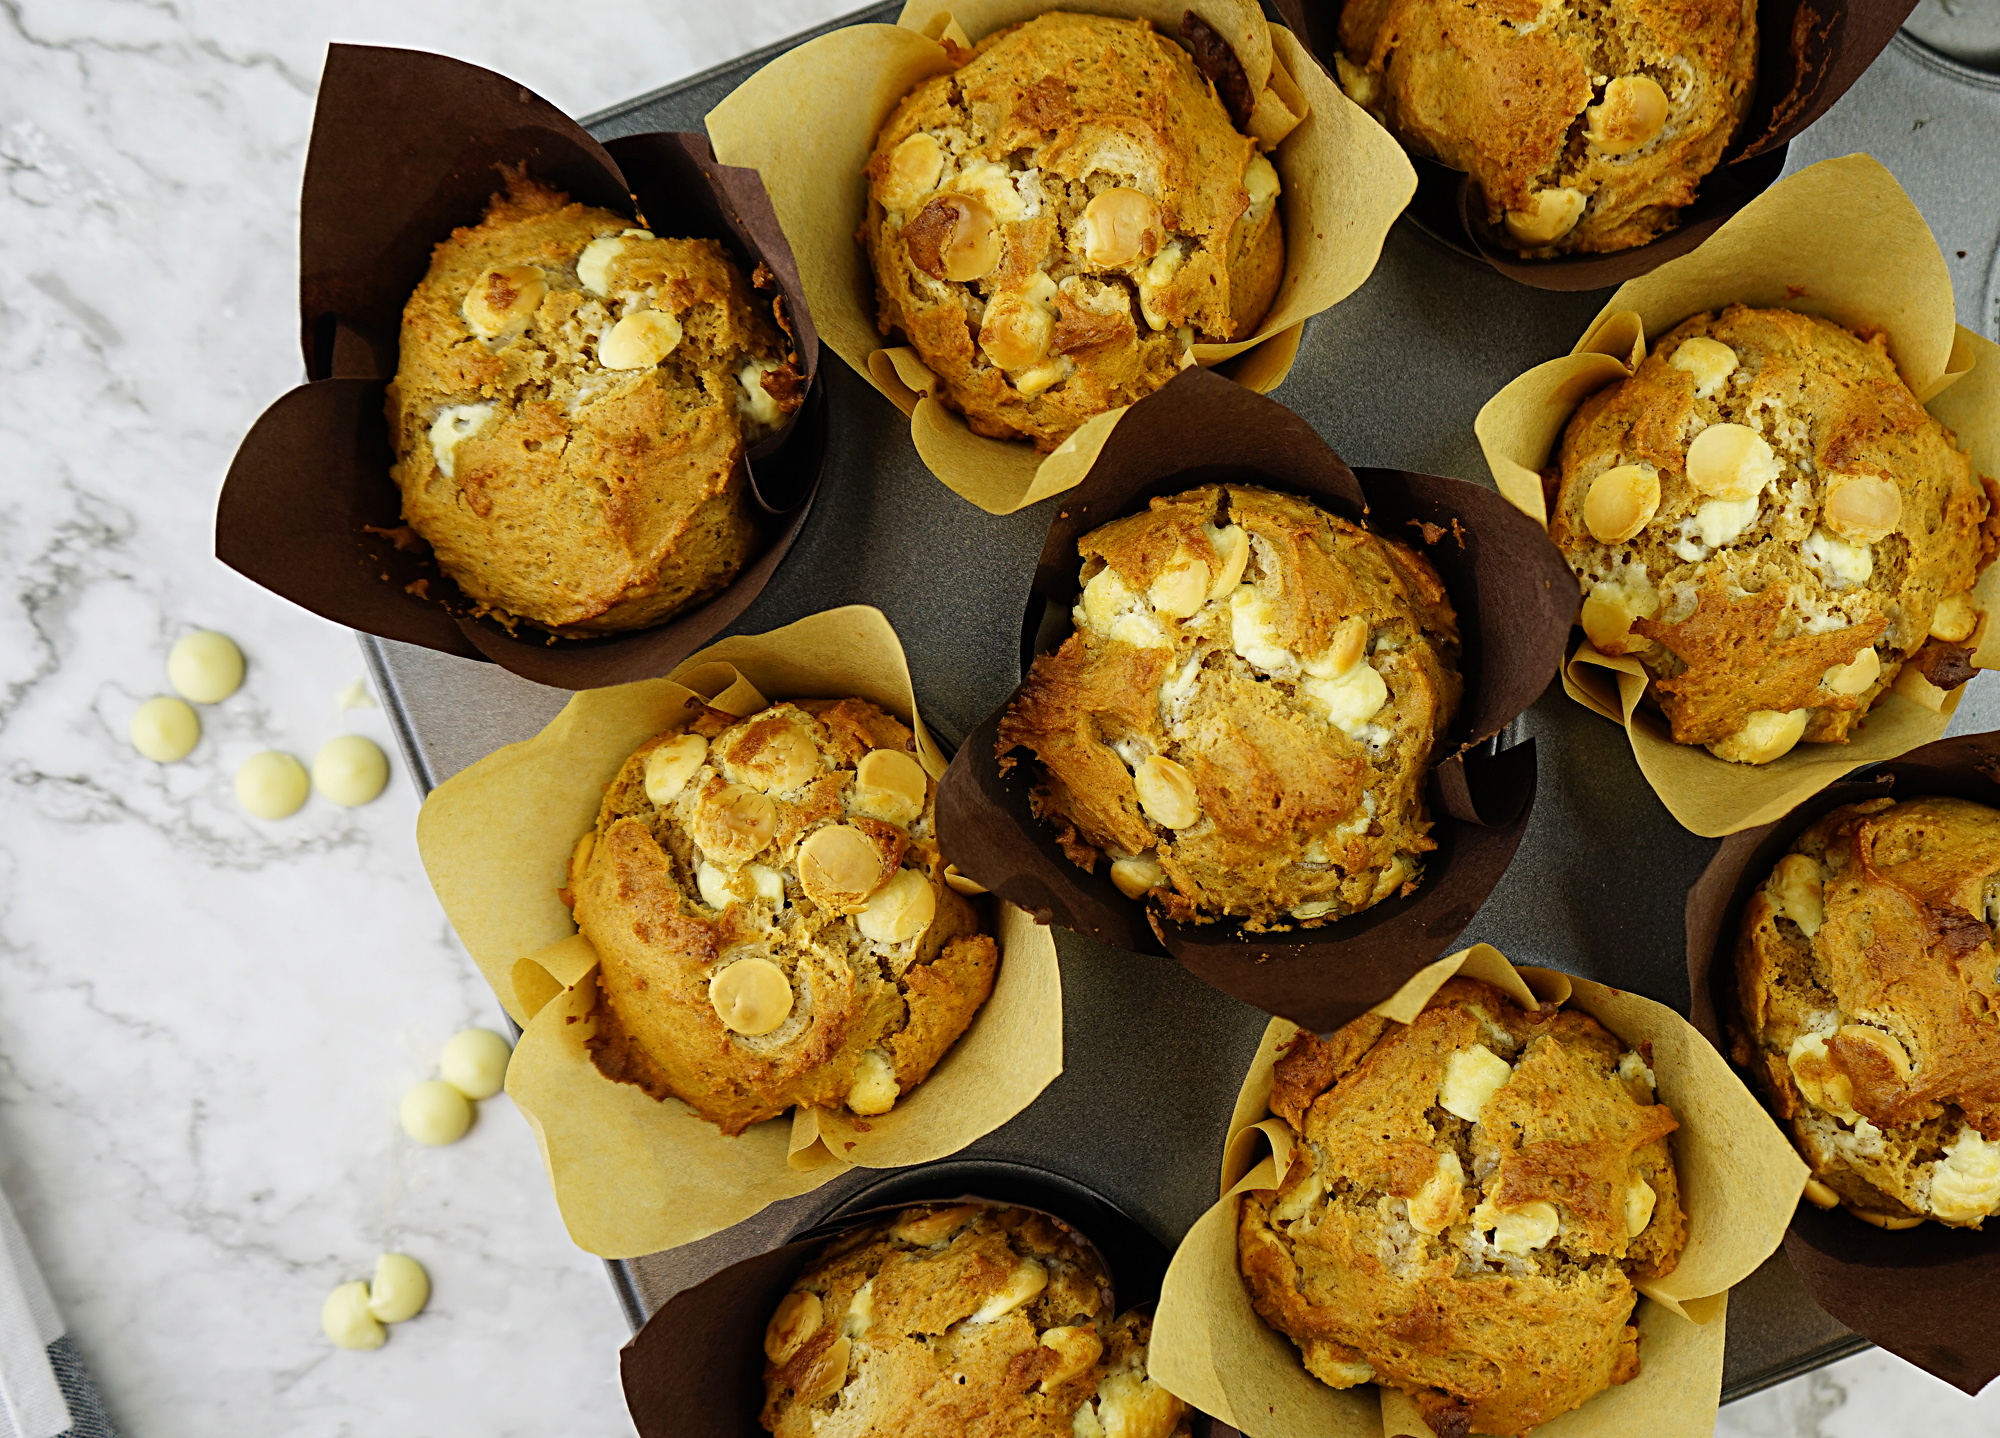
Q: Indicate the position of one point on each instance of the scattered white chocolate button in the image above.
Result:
(272, 785)
(346, 1318)
(354, 695)
(205, 667)
(350, 770)
(474, 1062)
(165, 729)
(400, 1290)
(435, 1113)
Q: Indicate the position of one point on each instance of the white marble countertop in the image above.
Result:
(206, 1020)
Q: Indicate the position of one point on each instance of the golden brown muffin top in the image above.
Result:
(960, 1321)
(1474, 1194)
(570, 410)
(1869, 1006)
(1765, 516)
(1244, 719)
(1057, 221)
(1586, 127)
(767, 902)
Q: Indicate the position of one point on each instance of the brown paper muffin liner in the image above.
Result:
(1810, 52)
(695, 1369)
(1928, 1294)
(1840, 239)
(405, 147)
(633, 1175)
(1514, 599)
(1739, 1181)
(808, 120)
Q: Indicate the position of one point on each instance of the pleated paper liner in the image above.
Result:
(1514, 600)
(1928, 1294)
(808, 120)
(405, 147)
(695, 1370)
(1739, 1181)
(1842, 240)
(1810, 52)
(633, 1175)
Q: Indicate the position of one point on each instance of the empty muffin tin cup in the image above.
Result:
(1929, 1294)
(633, 1175)
(407, 146)
(807, 123)
(1809, 53)
(1841, 240)
(695, 1369)
(1514, 601)
(1739, 1179)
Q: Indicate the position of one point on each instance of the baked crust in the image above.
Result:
(1507, 90)
(894, 1332)
(1309, 782)
(1753, 622)
(1868, 1008)
(582, 499)
(868, 1019)
(1374, 1256)
(1039, 121)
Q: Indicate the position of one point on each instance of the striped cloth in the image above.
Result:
(45, 1391)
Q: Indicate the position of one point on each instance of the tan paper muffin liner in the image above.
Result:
(632, 1175)
(1839, 239)
(808, 120)
(1740, 1181)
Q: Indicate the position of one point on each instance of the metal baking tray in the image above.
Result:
(1392, 376)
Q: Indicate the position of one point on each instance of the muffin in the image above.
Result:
(570, 411)
(1472, 1198)
(1585, 129)
(768, 907)
(961, 1321)
(1869, 1012)
(1057, 222)
(1244, 719)
(1765, 517)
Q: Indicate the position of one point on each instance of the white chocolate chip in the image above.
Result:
(671, 765)
(1166, 792)
(350, 769)
(1260, 180)
(1135, 878)
(1630, 117)
(874, 1090)
(839, 867)
(639, 341)
(798, 1318)
(1232, 550)
(1022, 1287)
(1043, 377)
(1105, 596)
(346, 1319)
(1610, 608)
(751, 996)
(1639, 1202)
(165, 729)
(1518, 1230)
(1181, 587)
(1346, 650)
(757, 404)
(593, 266)
(272, 785)
(1438, 1203)
(1766, 734)
(205, 667)
(826, 1376)
(1820, 1083)
(860, 1315)
(504, 300)
(1955, 619)
(1120, 227)
(1862, 508)
(1720, 521)
(1621, 502)
(1798, 893)
(400, 1290)
(1710, 362)
(889, 785)
(1841, 564)
(900, 910)
(929, 1227)
(1019, 324)
(1471, 1077)
(1856, 676)
(1153, 278)
(783, 759)
(455, 424)
(435, 1113)
(1075, 1347)
(1350, 703)
(915, 166)
(1253, 631)
(1965, 1183)
(1361, 86)
(1554, 214)
(770, 884)
(1731, 461)
(474, 1062)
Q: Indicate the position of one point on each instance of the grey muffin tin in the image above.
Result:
(1392, 376)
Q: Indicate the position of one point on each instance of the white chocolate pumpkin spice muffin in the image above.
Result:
(1054, 224)
(1765, 517)
(768, 906)
(960, 1321)
(1244, 720)
(1586, 128)
(1473, 1196)
(570, 411)
(1868, 1008)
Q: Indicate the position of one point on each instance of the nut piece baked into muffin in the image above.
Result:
(1868, 1007)
(1244, 720)
(768, 906)
(960, 1321)
(1473, 1196)
(570, 412)
(1768, 520)
(1057, 222)
(1586, 128)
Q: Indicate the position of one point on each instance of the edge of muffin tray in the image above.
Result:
(449, 712)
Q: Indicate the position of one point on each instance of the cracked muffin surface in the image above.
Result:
(1586, 128)
(1473, 1196)
(1055, 223)
(768, 906)
(1244, 719)
(1868, 1007)
(964, 1320)
(571, 406)
(1765, 517)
